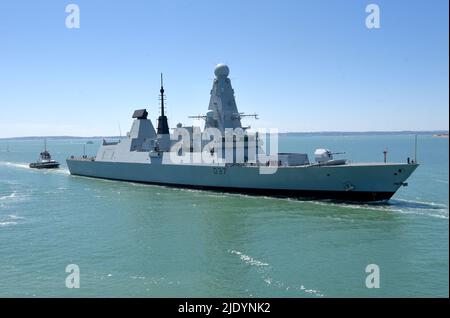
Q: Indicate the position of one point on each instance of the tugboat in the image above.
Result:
(45, 161)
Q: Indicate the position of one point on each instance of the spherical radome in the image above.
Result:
(222, 70)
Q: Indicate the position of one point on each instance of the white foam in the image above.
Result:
(351, 206)
(11, 219)
(6, 223)
(248, 259)
(11, 196)
(137, 277)
(434, 215)
(64, 171)
(314, 292)
(15, 217)
(26, 166)
(270, 282)
(402, 206)
(433, 204)
(279, 284)
(15, 164)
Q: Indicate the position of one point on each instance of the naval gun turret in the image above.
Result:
(325, 157)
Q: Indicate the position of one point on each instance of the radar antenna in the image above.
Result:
(198, 117)
(254, 115)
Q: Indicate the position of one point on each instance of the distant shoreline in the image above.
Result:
(319, 133)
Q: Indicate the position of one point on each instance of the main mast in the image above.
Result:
(163, 127)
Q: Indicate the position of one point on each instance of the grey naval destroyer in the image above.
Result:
(147, 155)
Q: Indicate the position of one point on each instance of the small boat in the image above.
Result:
(444, 135)
(45, 161)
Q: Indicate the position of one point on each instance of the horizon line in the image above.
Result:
(437, 131)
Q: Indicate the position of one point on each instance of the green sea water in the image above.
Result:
(134, 240)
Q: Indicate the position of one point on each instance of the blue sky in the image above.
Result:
(301, 65)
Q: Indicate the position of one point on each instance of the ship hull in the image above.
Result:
(364, 182)
(37, 165)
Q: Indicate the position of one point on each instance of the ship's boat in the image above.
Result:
(45, 160)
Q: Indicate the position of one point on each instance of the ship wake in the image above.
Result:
(265, 270)
(20, 165)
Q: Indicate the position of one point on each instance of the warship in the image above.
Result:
(165, 158)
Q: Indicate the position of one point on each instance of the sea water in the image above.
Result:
(134, 240)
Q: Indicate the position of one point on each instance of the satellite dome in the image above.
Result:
(221, 70)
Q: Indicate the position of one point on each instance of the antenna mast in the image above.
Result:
(415, 149)
(163, 127)
(162, 95)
